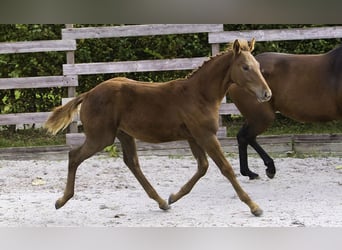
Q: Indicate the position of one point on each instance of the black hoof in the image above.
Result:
(270, 174)
(254, 176)
(250, 174)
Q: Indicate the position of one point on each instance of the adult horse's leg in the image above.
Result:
(245, 137)
(243, 156)
(211, 144)
(202, 166)
(259, 116)
(268, 161)
(131, 160)
(76, 157)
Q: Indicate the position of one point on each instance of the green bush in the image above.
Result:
(30, 64)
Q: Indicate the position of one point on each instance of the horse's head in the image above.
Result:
(245, 71)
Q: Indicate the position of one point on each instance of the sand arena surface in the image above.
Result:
(305, 193)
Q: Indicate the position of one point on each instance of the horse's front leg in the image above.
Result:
(243, 157)
(212, 146)
(203, 164)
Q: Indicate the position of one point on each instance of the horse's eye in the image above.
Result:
(245, 67)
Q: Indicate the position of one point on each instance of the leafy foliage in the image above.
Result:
(112, 151)
(27, 64)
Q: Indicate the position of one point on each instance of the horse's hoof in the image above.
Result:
(171, 200)
(58, 204)
(254, 176)
(165, 206)
(257, 212)
(270, 174)
(250, 174)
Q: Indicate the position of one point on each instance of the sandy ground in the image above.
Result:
(305, 193)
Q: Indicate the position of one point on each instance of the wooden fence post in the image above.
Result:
(71, 90)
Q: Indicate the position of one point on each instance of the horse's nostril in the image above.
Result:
(267, 95)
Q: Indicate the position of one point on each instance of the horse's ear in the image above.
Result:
(236, 47)
(251, 44)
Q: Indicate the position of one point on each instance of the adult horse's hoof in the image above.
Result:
(270, 174)
(254, 176)
(257, 212)
(250, 174)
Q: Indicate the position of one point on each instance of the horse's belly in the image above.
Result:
(320, 112)
(154, 132)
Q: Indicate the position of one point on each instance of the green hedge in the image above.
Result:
(116, 49)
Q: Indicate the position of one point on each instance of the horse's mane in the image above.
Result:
(244, 47)
(204, 63)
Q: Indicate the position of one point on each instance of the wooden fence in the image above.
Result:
(71, 70)
(34, 82)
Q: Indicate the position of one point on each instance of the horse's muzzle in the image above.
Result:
(265, 96)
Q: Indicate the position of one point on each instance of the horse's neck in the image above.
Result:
(211, 79)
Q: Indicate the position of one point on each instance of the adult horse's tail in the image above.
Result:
(62, 116)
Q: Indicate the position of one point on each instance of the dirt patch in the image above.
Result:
(305, 192)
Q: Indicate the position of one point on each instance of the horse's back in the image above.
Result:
(305, 87)
(320, 66)
(281, 64)
(147, 111)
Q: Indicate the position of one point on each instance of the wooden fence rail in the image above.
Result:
(38, 82)
(133, 66)
(277, 34)
(24, 118)
(37, 46)
(138, 30)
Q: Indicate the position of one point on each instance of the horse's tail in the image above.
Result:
(62, 116)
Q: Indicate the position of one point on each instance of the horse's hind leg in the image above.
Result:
(76, 157)
(247, 135)
(268, 161)
(131, 160)
(202, 168)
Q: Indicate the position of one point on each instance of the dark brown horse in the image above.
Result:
(306, 88)
(184, 109)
